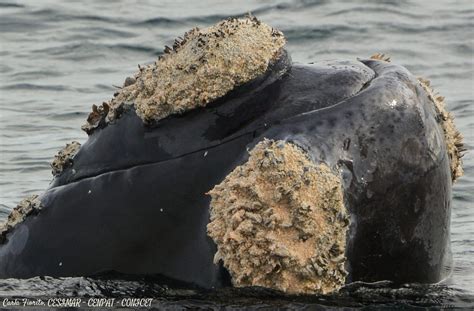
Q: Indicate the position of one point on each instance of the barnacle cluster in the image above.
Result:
(200, 67)
(453, 138)
(381, 56)
(64, 157)
(26, 207)
(279, 222)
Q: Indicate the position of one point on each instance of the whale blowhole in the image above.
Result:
(279, 221)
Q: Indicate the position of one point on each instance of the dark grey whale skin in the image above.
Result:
(134, 201)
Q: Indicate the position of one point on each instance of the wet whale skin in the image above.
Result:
(135, 201)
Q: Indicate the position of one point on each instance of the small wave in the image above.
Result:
(54, 15)
(38, 87)
(98, 88)
(66, 49)
(459, 74)
(99, 33)
(464, 48)
(92, 50)
(36, 74)
(134, 48)
(67, 116)
(29, 169)
(29, 164)
(463, 105)
(11, 5)
(376, 10)
(105, 87)
(461, 197)
(157, 21)
(21, 128)
(20, 25)
(27, 158)
(4, 68)
(298, 34)
(102, 70)
(409, 28)
(104, 32)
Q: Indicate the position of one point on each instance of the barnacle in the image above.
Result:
(279, 221)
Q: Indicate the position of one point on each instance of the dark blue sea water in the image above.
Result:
(57, 58)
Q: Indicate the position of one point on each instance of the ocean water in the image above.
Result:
(57, 58)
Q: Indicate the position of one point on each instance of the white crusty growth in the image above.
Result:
(64, 157)
(453, 138)
(279, 222)
(26, 207)
(201, 67)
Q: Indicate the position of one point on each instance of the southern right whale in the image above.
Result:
(226, 163)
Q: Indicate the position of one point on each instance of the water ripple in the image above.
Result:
(30, 86)
(377, 10)
(11, 5)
